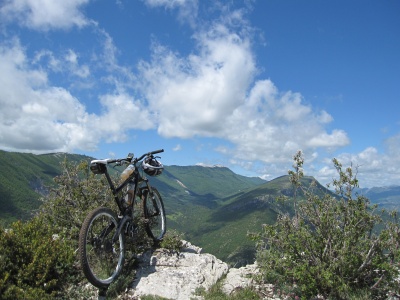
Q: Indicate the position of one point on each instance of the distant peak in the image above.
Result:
(209, 166)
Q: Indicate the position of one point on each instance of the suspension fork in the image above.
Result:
(126, 218)
(150, 194)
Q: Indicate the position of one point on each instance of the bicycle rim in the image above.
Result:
(154, 214)
(101, 258)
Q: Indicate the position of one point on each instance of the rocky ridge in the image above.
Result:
(181, 275)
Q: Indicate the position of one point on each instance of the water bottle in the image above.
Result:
(129, 194)
(127, 172)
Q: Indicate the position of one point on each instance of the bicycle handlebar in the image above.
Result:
(128, 159)
(148, 154)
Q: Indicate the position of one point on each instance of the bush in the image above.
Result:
(34, 264)
(77, 192)
(172, 241)
(37, 259)
(330, 246)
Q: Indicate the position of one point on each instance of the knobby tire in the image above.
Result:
(154, 214)
(100, 258)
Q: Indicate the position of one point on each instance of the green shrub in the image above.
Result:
(330, 246)
(172, 241)
(77, 192)
(34, 264)
(37, 259)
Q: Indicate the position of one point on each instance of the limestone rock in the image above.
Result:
(176, 275)
(239, 278)
(243, 277)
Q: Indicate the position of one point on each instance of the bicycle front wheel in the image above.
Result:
(101, 258)
(154, 214)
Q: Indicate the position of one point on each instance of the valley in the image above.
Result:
(212, 207)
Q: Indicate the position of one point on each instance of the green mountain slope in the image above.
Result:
(216, 182)
(386, 197)
(226, 226)
(24, 178)
(212, 206)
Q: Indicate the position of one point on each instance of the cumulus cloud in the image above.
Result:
(271, 126)
(187, 9)
(373, 168)
(44, 14)
(196, 94)
(69, 62)
(123, 112)
(38, 117)
(34, 115)
(212, 93)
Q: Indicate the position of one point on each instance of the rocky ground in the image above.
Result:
(180, 275)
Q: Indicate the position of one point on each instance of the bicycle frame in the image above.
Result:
(126, 212)
(116, 190)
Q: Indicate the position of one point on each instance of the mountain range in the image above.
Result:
(212, 207)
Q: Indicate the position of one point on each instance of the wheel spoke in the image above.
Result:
(101, 259)
(154, 215)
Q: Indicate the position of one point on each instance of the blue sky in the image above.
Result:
(243, 84)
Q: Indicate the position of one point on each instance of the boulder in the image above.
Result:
(175, 275)
(243, 277)
(239, 278)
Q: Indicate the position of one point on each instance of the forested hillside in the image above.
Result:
(386, 197)
(211, 206)
(24, 178)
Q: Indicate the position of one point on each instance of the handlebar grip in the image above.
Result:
(157, 151)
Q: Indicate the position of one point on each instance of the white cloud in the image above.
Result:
(272, 126)
(187, 9)
(122, 112)
(34, 115)
(72, 59)
(210, 93)
(68, 62)
(393, 147)
(54, 64)
(44, 14)
(373, 168)
(195, 95)
(169, 3)
(178, 147)
(337, 138)
(39, 117)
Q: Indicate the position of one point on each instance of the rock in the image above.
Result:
(239, 278)
(176, 275)
(243, 277)
(188, 247)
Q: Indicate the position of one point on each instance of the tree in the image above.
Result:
(37, 257)
(77, 192)
(34, 264)
(334, 245)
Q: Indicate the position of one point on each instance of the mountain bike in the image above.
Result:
(103, 233)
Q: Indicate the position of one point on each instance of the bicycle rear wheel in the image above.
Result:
(154, 214)
(101, 258)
